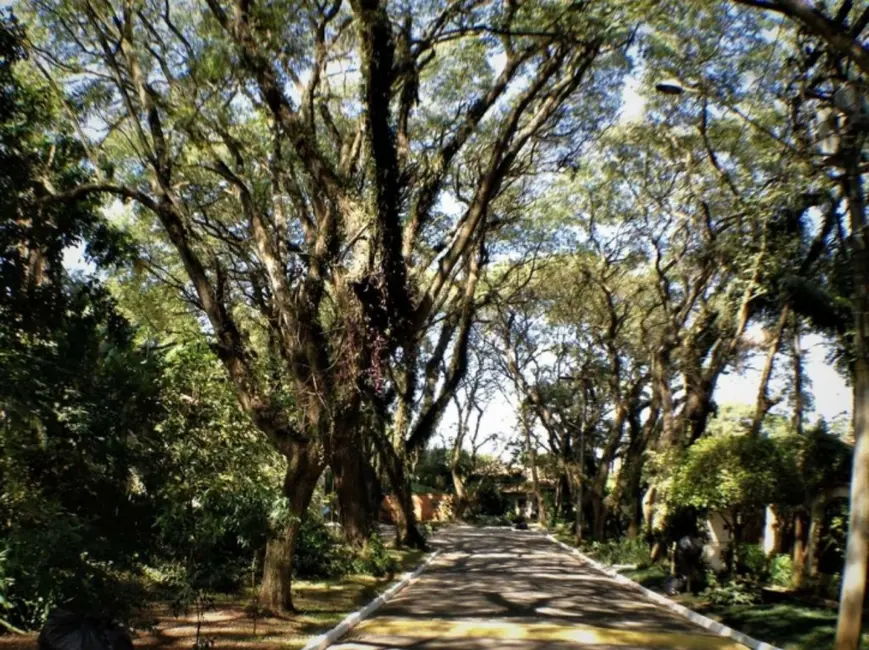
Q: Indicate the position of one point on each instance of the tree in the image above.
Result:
(295, 157)
(731, 474)
(837, 108)
(78, 397)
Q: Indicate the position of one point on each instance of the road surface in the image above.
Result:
(499, 589)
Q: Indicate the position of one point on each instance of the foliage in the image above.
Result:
(489, 501)
(620, 551)
(375, 559)
(320, 553)
(781, 570)
(732, 471)
(730, 592)
(753, 563)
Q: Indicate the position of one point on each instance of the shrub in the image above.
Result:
(374, 559)
(321, 554)
(489, 520)
(732, 592)
(752, 563)
(489, 500)
(620, 551)
(781, 570)
(318, 553)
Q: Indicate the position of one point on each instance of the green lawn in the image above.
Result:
(789, 626)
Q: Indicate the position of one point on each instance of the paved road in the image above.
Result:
(515, 590)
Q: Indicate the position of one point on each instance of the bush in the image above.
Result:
(374, 559)
(620, 551)
(752, 563)
(489, 520)
(318, 553)
(781, 570)
(322, 554)
(732, 592)
(488, 500)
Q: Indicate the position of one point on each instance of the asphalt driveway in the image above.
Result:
(503, 589)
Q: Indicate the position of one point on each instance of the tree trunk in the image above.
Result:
(799, 558)
(303, 471)
(535, 481)
(406, 533)
(798, 378)
(461, 502)
(763, 403)
(857, 548)
(353, 489)
(562, 496)
(632, 493)
(816, 525)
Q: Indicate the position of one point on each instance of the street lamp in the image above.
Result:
(670, 87)
(581, 477)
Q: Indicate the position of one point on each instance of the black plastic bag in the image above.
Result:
(65, 630)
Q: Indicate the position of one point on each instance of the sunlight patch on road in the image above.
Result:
(581, 634)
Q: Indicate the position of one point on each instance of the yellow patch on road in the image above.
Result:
(581, 634)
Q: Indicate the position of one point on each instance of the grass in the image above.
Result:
(790, 626)
(322, 604)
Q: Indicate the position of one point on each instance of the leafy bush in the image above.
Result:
(752, 563)
(322, 554)
(781, 570)
(318, 553)
(488, 500)
(620, 551)
(489, 520)
(374, 559)
(732, 592)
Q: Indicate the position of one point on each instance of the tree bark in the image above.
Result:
(815, 527)
(857, 549)
(303, 470)
(535, 481)
(353, 489)
(798, 378)
(799, 557)
(764, 403)
(406, 533)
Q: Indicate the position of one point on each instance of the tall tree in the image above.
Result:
(296, 158)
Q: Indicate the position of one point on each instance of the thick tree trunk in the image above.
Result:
(633, 496)
(598, 514)
(407, 533)
(816, 525)
(563, 504)
(303, 470)
(857, 548)
(353, 488)
(461, 500)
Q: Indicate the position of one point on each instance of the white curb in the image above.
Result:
(351, 620)
(698, 619)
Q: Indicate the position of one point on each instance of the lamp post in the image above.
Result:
(581, 475)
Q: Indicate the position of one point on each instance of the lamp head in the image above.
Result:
(670, 87)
